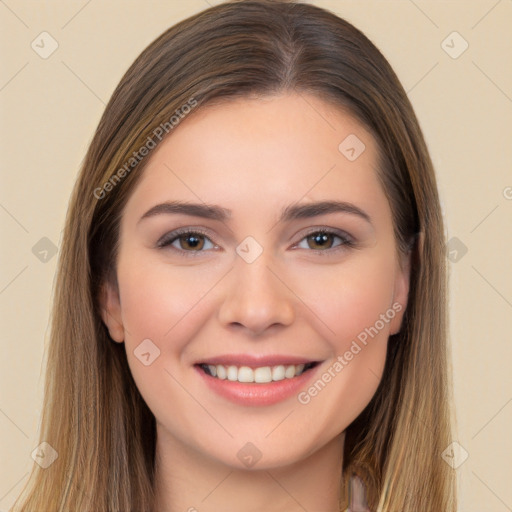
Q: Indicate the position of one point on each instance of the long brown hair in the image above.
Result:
(93, 415)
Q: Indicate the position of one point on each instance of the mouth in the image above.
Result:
(255, 374)
(255, 379)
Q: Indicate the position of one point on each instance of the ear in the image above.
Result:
(110, 307)
(401, 291)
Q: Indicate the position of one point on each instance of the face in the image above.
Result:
(286, 272)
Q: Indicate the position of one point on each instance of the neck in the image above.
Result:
(189, 481)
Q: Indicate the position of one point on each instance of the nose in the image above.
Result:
(256, 297)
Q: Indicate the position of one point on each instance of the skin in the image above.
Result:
(255, 157)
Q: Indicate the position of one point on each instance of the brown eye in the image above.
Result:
(325, 241)
(186, 242)
(191, 241)
(320, 240)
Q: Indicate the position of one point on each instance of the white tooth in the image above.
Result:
(278, 372)
(289, 373)
(221, 372)
(245, 374)
(263, 374)
(299, 369)
(232, 373)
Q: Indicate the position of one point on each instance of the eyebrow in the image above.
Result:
(291, 212)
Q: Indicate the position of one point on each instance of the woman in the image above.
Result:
(250, 307)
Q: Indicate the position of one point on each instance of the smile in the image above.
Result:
(260, 375)
(256, 380)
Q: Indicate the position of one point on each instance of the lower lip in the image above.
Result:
(242, 393)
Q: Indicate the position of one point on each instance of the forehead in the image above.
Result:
(250, 155)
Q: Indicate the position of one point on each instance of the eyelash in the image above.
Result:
(168, 239)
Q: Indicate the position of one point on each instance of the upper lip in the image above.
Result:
(255, 360)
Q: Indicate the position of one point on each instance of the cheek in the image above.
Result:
(356, 305)
(349, 298)
(157, 299)
(164, 305)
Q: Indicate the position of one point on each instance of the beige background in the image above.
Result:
(50, 108)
